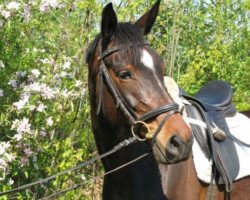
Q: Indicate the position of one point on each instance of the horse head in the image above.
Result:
(126, 83)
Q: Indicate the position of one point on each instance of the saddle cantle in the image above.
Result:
(212, 104)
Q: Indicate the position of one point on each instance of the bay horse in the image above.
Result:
(126, 83)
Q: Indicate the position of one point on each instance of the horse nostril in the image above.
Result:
(176, 141)
(177, 149)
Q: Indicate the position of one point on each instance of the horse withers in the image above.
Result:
(126, 86)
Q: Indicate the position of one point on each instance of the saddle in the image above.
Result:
(212, 104)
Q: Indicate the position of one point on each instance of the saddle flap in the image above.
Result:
(226, 147)
(223, 152)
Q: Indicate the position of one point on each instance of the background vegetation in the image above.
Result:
(44, 109)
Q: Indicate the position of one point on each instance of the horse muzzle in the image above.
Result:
(176, 150)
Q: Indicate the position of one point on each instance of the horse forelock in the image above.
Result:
(126, 34)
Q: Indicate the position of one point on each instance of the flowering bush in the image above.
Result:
(44, 118)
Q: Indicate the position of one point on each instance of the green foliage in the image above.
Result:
(206, 41)
(44, 108)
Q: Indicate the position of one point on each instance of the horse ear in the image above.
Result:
(147, 20)
(109, 22)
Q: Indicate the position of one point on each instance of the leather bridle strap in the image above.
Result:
(117, 48)
(166, 118)
(119, 101)
(160, 110)
(109, 51)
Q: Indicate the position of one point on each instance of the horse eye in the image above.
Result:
(124, 74)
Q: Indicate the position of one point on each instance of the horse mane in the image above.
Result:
(125, 35)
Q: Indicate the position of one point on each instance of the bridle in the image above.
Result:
(121, 103)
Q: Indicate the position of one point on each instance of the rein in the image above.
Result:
(81, 165)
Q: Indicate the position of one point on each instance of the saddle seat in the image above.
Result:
(217, 96)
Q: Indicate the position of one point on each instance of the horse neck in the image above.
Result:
(181, 177)
(138, 177)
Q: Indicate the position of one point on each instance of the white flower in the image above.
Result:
(5, 13)
(2, 66)
(21, 74)
(3, 147)
(47, 92)
(66, 65)
(28, 152)
(42, 133)
(3, 164)
(34, 87)
(47, 61)
(83, 177)
(46, 5)
(52, 3)
(41, 107)
(24, 161)
(36, 72)
(21, 103)
(13, 83)
(24, 126)
(65, 93)
(83, 91)
(78, 83)
(32, 107)
(50, 121)
(13, 5)
(21, 127)
(15, 124)
(9, 157)
(1, 93)
(18, 136)
(63, 74)
(11, 182)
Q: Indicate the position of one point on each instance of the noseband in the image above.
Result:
(120, 102)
